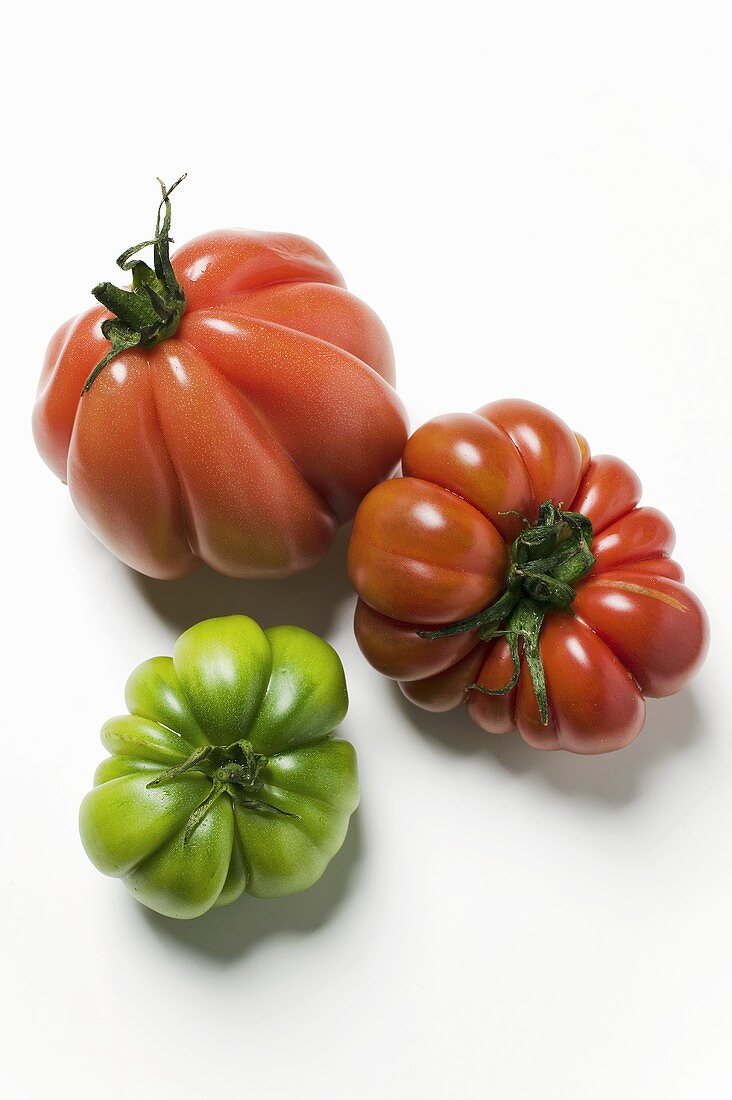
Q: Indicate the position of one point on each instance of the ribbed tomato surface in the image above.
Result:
(432, 547)
(246, 438)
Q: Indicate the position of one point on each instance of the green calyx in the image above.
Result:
(151, 310)
(235, 770)
(547, 559)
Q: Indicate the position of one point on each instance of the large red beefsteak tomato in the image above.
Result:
(509, 570)
(243, 406)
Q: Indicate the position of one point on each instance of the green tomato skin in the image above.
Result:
(284, 691)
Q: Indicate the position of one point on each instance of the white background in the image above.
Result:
(537, 199)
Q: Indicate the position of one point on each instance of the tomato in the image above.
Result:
(243, 408)
(224, 777)
(508, 570)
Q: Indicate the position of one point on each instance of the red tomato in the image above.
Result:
(240, 433)
(554, 619)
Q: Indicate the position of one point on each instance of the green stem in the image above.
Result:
(494, 614)
(546, 561)
(151, 310)
(235, 770)
(525, 627)
(217, 789)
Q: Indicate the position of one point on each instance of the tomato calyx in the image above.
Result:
(546, 561)
(235, 770)
(151, 311)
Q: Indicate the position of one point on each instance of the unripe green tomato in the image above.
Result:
(224, 778)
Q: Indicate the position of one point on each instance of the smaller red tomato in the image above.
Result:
(508, 570)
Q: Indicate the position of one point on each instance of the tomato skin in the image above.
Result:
(396, 650)
(658, 567)
(585, 454)
(448, 688)
(633, 629)
(217, 265)
(595, 704)
(283, 690)
(471, 457)
(423, 555)
(494, 713)
(655, 626)
(608, 491)
(79, 343)
(122, 458)
(245, 440)
(641, 534)
(551, 453)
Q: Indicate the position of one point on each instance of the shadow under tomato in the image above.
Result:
(310, 599)
(234, 930)
(672, 725)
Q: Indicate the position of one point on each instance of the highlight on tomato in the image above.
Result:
(508, 570)
(224, 778)
(233, 406)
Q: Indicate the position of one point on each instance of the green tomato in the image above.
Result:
(224, 778)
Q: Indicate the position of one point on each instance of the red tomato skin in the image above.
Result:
(595, 706)
(550, 451)
(494, 713)
(527, 720)
(658, 567)
(329, 313)
(395, 649)
(447, 689)
(471, 457)
(196, 464)
(586, 456)
(218, 265)
(283, 372)
(608, 491)
(654, 625)
(633, 630)
(70, 357)
(594, 702)
(420, 554)
(116, 457)
(641, 534)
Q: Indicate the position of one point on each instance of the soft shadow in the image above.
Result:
(232, 931)
(310, 599)
(672, 725)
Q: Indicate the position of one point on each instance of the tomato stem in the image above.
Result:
(235, 770)
(151, 310)
(546, 561)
